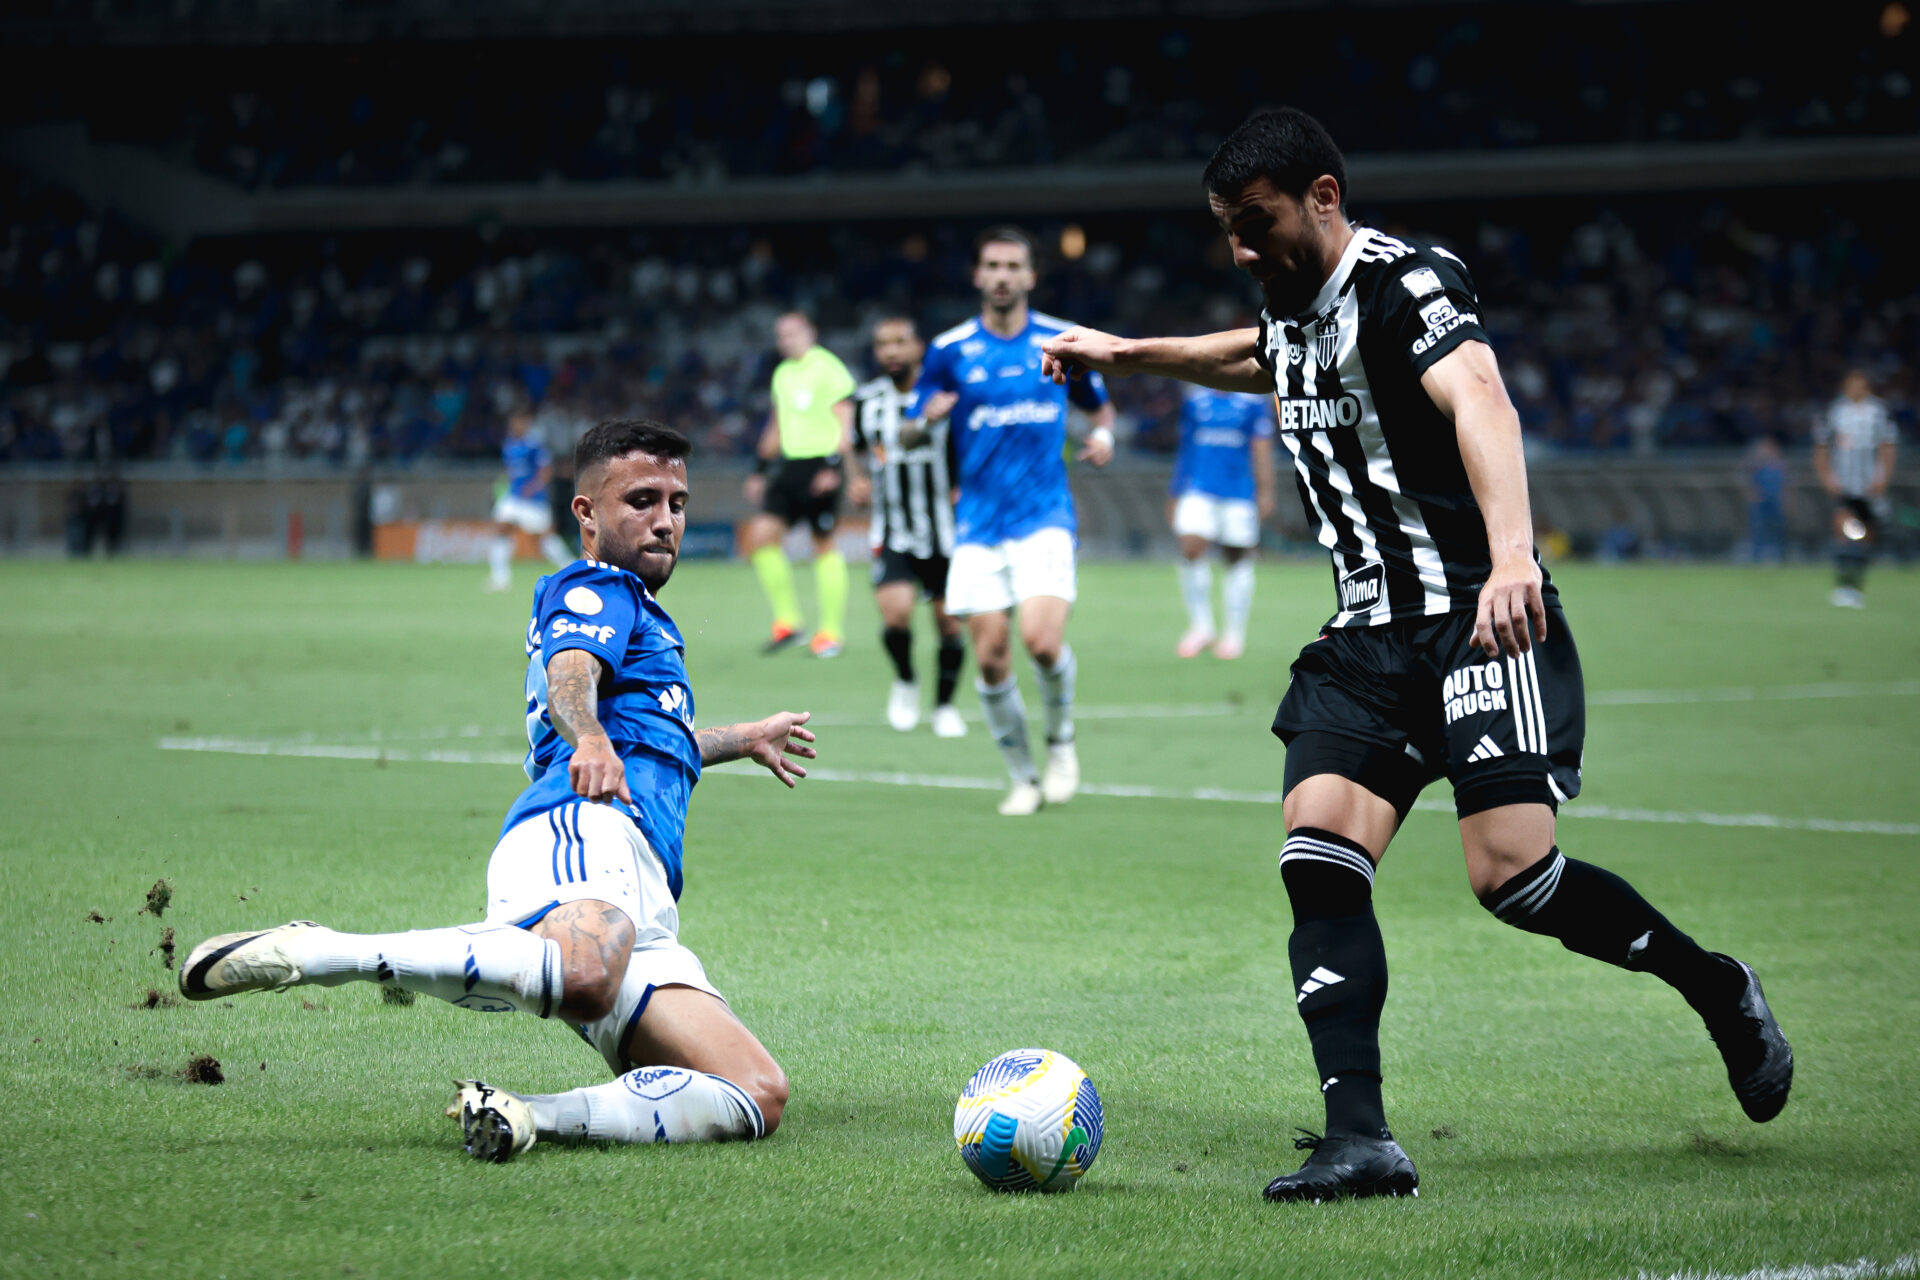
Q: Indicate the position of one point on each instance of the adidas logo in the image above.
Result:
(1321, 977)
(1486, 750)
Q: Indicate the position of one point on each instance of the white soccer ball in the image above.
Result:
(1029, 1120)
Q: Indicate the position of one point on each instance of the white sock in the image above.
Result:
(1056, 694)
(555, 550)
(1196, 589)
(489, 968)
(1236, 593)
(500, 560)
(1007, 721)
(650, 1104)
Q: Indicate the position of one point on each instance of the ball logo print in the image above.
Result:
(1030, 1120)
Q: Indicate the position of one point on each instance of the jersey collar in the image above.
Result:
(1362, 237)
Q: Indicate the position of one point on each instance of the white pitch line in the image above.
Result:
(1858, 1269)
(1221, 710)
(938, 781)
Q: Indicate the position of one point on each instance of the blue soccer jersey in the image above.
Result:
(526, 458)
(1217, 431)
(1009, 430)
(646, 706)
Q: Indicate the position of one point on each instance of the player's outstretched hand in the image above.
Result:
(596, 772)
(1075, 352)
(1098, 449)
(1512, 616)
(776, 738)
(938, 406)
(859, 489)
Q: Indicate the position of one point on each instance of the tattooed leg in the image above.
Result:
(595, 941)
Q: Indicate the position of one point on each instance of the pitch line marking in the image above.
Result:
(1220, 710)
(1858, 1269)
(364, 751)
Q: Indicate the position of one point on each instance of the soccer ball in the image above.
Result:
(1029, 1121)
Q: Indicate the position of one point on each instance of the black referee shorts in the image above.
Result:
(790, 495)
(1397, 706)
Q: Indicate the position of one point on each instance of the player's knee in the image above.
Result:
(589, 988)
(768, 1089)
(1492, 864)
(1045, 649)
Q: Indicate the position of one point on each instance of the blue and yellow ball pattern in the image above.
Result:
(1029, 1120)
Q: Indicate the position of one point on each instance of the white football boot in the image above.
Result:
(948, 722)
(494, 1124)
(231, 963)
(903, 706)
(1025, 799)
(1063, 773)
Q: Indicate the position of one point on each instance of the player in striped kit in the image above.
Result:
(1448, 653)
(1222, 490)
(912, 527)
(1853, 450)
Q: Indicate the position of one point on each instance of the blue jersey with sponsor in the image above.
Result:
(1217, 431)
(526, 458)
(1008, 433)
(646, 704)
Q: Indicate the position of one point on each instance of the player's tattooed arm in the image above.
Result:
(1225, 361)
(573, 701)
(767, 743)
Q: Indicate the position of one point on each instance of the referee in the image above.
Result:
(1853, 450)
(1448, 653)
(798, 482)
(912, 526)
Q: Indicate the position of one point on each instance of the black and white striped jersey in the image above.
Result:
(1378, 466)
(912, 489)
(1854, 432)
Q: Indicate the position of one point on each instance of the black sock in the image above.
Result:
(1850, 569)
(953, 656)
(899, 643)
(1339, 971)
(1595, 913)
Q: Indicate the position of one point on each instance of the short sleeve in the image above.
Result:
(839, 382)
(1089, 392)
(587, 607)
(1426, 307)
(1260, 355)
(936, 374)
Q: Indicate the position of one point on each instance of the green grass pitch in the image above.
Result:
(884, 940)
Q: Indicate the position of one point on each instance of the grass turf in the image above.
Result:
(1568, 1119)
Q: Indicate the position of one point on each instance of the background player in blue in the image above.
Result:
(523, 504)
(1013, 517)
(582, 888)
(1222, 490)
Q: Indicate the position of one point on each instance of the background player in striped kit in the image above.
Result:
(523, 505)
(1222, 489)
(1448, 653)
(912, 523)
(1853, 451)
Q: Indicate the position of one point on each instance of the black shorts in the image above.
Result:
(1861, 509)
(1397, 706)
(897, 566)
(790, 495)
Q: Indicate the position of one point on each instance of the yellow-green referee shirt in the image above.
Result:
(804, 393)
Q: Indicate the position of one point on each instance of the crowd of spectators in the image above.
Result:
(704, 108)
(1660, 324)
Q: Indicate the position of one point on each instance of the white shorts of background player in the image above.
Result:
(993, 578)
(529, 514)
(1225, 522)
(538, 866)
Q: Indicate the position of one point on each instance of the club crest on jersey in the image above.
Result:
(1326, 343)
(1363, 589)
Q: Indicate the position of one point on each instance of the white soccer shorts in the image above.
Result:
(530, 514)
(1225, 522)
(992, 579)
(585, 851)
